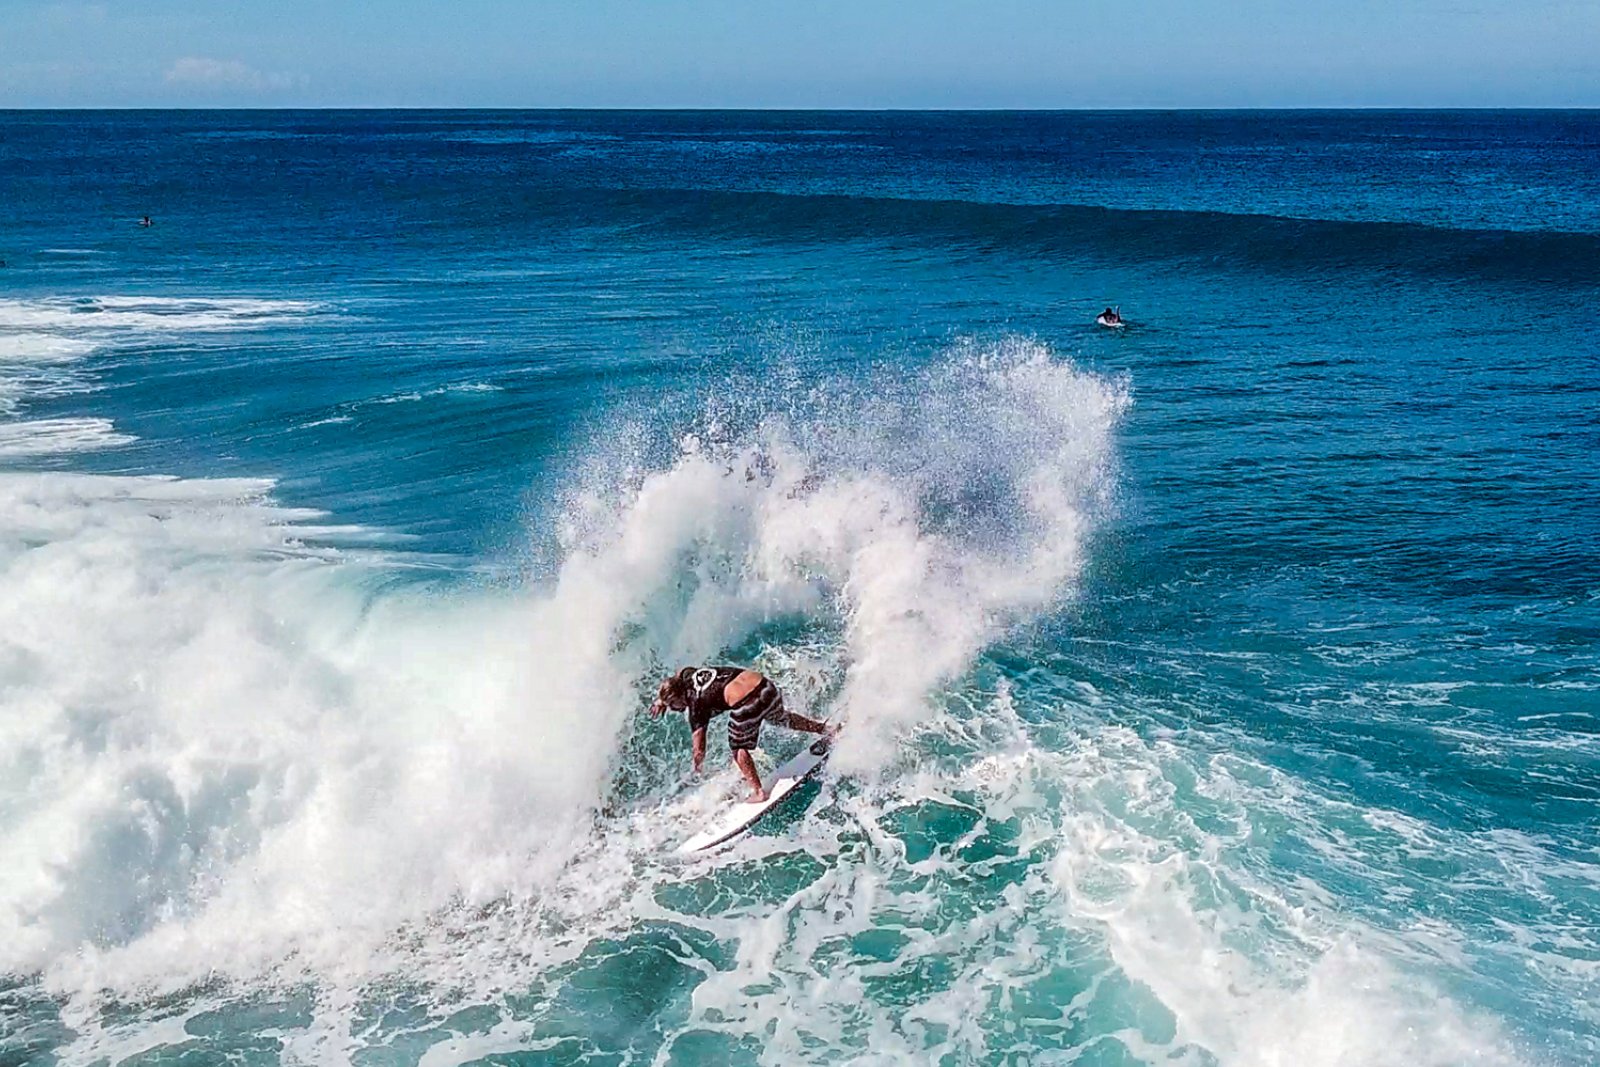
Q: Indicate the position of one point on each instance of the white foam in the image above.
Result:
(39, 365)
(46, 437)
(1257, 975)
(414, 395)
(146, 314)
(219, 754)
(41, 339)
(42, 348)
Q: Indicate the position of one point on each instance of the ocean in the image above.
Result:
(1219, 690)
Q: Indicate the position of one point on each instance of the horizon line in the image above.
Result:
(835, 110)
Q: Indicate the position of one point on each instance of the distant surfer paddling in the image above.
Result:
(748, 697)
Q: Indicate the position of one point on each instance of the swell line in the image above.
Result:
(1072, 231)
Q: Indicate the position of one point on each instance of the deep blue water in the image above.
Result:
(1221, 690)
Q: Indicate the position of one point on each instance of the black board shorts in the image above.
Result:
(765, 704)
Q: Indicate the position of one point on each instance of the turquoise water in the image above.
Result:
(1221, 690)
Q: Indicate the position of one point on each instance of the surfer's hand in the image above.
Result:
(657, 709)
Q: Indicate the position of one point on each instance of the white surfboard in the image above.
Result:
(737, 818)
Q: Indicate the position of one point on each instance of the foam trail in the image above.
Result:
(1256, 976)
(44, 341)
(39, 364)
(145, 314)
(1080, 912)
(34, 347)
(44, 437)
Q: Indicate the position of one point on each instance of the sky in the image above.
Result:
(787, 54)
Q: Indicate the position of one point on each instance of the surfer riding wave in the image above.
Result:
(748, 697)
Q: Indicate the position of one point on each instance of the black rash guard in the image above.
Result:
(706, 701)
(706, 685)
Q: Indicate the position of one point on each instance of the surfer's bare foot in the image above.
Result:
(758, 796)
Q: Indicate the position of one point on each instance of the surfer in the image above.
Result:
(1109, 317)
(146, 221)
(748, 697)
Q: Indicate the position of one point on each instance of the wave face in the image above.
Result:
(1243, 243)
(1217, 691)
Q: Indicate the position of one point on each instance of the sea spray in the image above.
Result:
(245, 749)
(914, 518)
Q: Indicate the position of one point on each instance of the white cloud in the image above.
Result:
(200, 72)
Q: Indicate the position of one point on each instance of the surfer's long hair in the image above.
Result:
(674, 691)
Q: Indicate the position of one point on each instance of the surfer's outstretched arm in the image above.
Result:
(697, 741)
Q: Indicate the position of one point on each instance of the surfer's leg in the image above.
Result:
(795, 721)
(782, 716)
(747, 767)
(744, 721)
(778, 715)
(744, 730)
